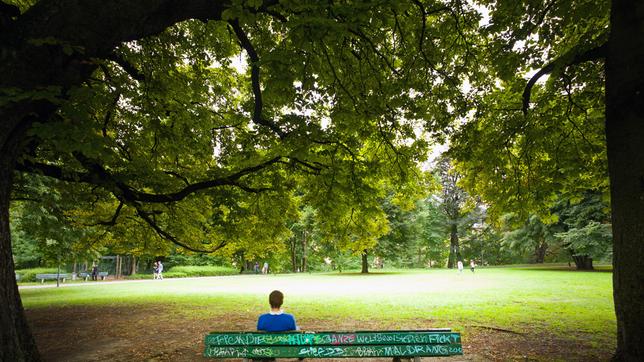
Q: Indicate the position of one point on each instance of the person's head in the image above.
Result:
(276, 298)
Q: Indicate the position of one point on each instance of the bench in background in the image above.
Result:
(86, 275)
(367, 344)
(43, 277)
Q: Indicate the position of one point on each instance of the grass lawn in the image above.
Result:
(563, 305)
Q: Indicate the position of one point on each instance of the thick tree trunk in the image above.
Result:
(304, 246)
(365, 263)
(583, 262)
(540, 252)
(16, 341)
(454, 248)
(625, 141)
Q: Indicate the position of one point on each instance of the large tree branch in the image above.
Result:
(127, 66)
(97, 175)
(254, 76)
(571, 57)
(167, 236)
(112, 221)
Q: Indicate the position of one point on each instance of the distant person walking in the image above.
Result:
(472, 265)
(265, 268)
(159, 270)
(256, 267)
(155, 270)
(459, 264)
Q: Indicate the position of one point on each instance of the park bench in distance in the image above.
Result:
(43, 277)
(366, 344)
(86, 275)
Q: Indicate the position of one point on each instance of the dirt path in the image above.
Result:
(160, 334)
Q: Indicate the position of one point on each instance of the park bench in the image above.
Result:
(43, 277)
(86, 275)
(365, 344)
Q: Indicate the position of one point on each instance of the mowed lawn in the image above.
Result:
(571, 306)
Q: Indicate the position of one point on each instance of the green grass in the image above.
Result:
(562, 302)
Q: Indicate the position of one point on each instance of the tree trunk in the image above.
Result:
(365, 263)
(133, 269)
(304, 242)
(454, 248)
(625, 141)
(583, 262)
(540, 252)
(16, 341)
(293, 255)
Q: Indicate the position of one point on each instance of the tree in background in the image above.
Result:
(587, 233)
(533, 236)
(429, 225)
(453, 205)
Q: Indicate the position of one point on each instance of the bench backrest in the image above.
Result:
(417, 343)
(51, 276)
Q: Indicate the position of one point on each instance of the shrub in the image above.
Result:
(29, 275)
(201, 270)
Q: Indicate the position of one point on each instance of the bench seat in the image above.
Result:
(86, 275)
(43, 277)
(366, 344)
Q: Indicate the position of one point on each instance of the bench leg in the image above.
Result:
(416, 359)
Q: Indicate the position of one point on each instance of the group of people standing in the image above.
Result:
(264, 268)
(459, 264)
(157, 267)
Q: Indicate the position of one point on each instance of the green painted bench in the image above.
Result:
(43, 277)
(366, 344)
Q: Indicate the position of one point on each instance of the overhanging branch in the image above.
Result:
(569, 58)
(167, 236)
(254, 76)
(128, 67)
(98, 175)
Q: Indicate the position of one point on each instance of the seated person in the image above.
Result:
(276, 320)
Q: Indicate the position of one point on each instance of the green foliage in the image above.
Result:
(587, 227)
(349, 93)
(526, 163)
(201, 270)
(29, 275)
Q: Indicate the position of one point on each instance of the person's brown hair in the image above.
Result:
(276, 298)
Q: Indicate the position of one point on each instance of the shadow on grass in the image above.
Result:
(597, 268)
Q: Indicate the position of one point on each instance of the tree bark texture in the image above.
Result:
(583, 262)
(16, 340)
(625, 141)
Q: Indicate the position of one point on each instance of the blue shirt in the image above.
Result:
(273, 322)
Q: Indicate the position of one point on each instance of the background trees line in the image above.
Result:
(443, 225)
